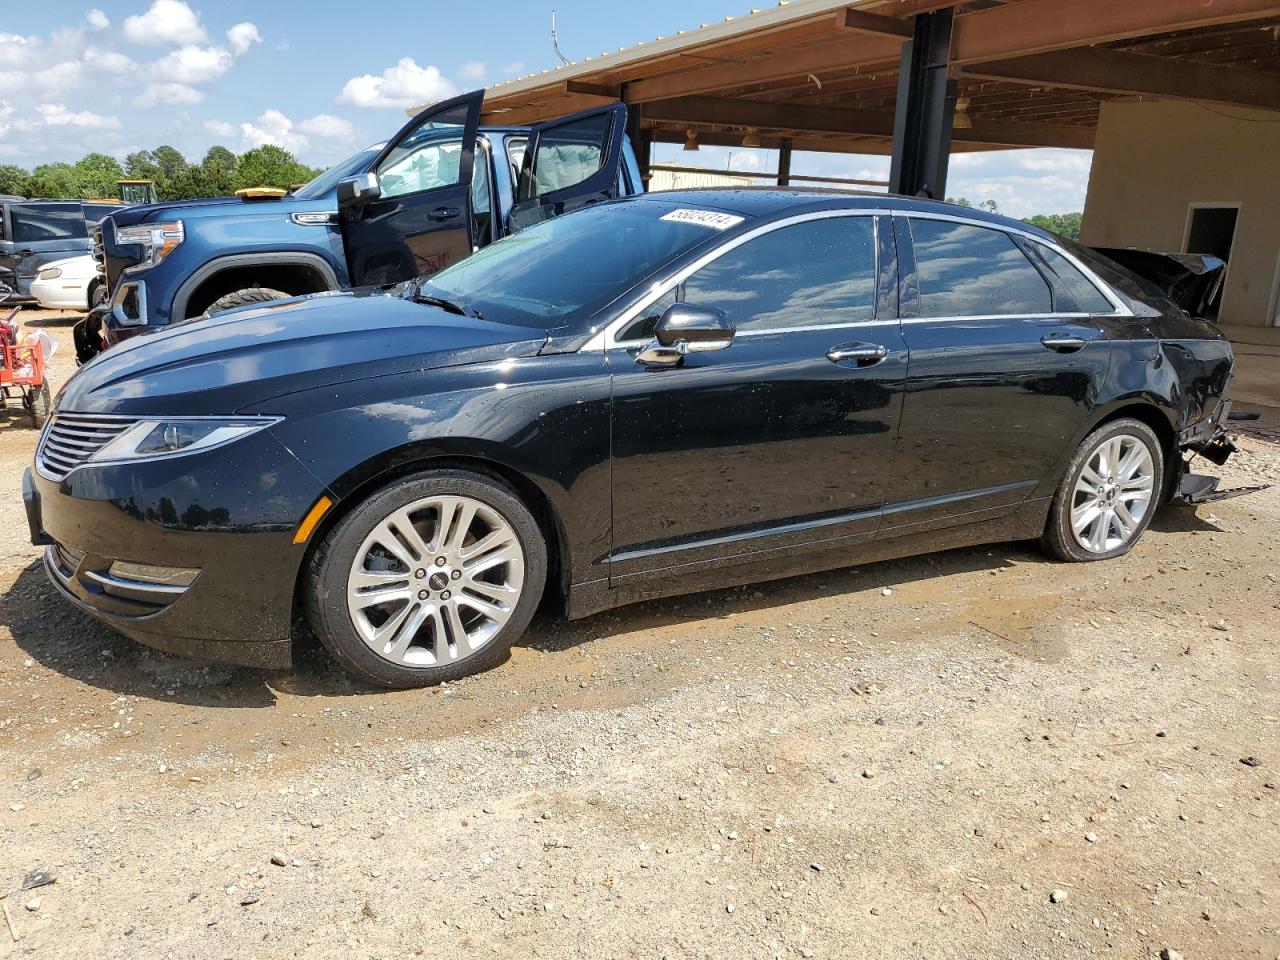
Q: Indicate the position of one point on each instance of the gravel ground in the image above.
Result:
(973, 754)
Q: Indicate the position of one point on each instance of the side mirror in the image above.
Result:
(361, 188)
(684, 329)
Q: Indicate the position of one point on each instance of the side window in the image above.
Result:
(969, 271)
(809, 274)
(515, 156)
(428, 158)
(1085, 297)
(481, 200)
(48, 221)
(642, 327)
(569, 153)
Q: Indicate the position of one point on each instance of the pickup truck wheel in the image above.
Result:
(97, 294)
(1108, 495)
(246, 298)
(430, 579)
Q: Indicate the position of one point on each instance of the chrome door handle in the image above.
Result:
(443, 213)
(866, 354)
(1062, 342)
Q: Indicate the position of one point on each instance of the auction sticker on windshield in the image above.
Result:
(704, 218)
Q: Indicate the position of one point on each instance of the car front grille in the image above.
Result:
(100, 255)
(72, 438)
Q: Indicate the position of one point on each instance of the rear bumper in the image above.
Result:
(1209, 439)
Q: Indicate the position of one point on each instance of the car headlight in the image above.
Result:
(157, 240)
(52, 273)
(178, 436)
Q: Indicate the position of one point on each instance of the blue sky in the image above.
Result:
(323, 79)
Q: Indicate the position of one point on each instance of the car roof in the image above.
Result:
(766, 202)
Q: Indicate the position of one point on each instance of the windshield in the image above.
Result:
(327, 181)
(567, 268)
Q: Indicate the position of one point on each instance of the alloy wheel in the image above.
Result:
(1112, 494)
(433, 582)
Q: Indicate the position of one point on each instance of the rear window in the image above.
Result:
(48, 221)
(1085, 297)
(968, 271)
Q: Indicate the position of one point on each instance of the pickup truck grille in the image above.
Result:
(72, 438)
(100, 257)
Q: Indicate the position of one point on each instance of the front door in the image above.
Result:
(783, 439)
(37, 233)
(1006, 360)
(569, 163)
(420, 222)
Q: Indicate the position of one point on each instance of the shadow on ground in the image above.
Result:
(58, 636)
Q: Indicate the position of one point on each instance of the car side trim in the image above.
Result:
(231, 261)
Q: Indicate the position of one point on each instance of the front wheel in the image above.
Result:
(248, 297)
(1108, 495)
(430, 579)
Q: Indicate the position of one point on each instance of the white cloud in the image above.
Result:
(328, 126)
(273, 127)
(473, 71)
(193, 64)
(167, 23)
(56, 115)
(6, 114)
(1057, 161)
(220, 127)
(242, 36)
(404, 85)
(169, 93)
(108, 61)
(61, 77)
(97, 19)
(512, 69)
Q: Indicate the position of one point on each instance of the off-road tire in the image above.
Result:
(1058, 538)
(325, 581)
(247, 297)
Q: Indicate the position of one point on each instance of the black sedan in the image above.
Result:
(651, 396)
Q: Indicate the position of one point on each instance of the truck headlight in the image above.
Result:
(157, 240)
(52, 273)
(176, 436)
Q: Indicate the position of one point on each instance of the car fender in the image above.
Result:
(211, 268)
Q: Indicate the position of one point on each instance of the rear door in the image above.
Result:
(421, 221)
(1005, 364)
(38, 233)
(569, 163)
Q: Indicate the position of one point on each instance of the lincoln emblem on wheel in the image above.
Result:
(643, 397)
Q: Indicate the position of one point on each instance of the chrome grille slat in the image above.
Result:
(72, 438)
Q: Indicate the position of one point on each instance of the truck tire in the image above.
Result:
(246, 298)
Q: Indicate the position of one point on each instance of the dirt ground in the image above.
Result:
(909, 759)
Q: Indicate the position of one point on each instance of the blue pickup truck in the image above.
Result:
(440, 189)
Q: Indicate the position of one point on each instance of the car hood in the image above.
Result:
(238, 359)
(213, 206)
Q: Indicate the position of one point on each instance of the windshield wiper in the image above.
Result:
(444, 303)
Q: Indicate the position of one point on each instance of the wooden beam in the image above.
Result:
(1037, 26)
(1115, 71)
(610, 91)
(863, 22)
(769, 115)
(855, 50)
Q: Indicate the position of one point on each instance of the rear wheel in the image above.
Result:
(430, 579)
(1108, 495)
(247, 297)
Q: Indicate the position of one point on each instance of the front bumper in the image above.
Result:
(230, 516)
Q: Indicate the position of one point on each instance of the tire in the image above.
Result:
(249, 296)
(409, 653)
(1111, 514)
(97, 294)
(38, 408)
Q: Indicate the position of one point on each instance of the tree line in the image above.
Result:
(1063, 224)
(219, 174)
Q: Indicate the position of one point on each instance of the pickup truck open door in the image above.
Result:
(410, 214)
(570, 162)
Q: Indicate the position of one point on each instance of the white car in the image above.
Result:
(70, 284)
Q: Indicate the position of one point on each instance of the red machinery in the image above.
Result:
(22, 373)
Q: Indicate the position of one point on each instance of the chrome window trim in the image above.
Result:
(604, 338)
(1121, 309)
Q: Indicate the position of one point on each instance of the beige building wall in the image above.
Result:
(1152, 160)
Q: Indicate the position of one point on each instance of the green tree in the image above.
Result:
(270, 166)
(219, 171)
(960, 201)
(141, 165)
(1063, 224)
(14, 181)
(55, 181)
(193, 183)
(170, 161)
(97, 174)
